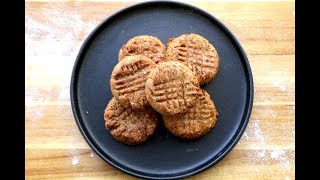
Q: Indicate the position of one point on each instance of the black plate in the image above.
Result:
(163, 156)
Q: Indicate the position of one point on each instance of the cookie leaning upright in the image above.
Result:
(128, 80)
(197, 53)
(197, 122)
(129, 126)
(172, 88)
(149, 46)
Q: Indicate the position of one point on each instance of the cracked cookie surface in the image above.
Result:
(146, 45)
(194, 124)
(129, 126)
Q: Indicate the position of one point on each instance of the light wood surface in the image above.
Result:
(54, 146)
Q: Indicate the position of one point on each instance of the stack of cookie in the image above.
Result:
(150, 79)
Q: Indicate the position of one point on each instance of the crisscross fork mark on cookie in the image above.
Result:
(133, 79)
(172, 88)
(128, 80)
(197, 57)
(197, 53)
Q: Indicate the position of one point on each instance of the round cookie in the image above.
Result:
(128, 126)
(197, 53)
(149, 46)
(128, 79)
(195, 123)
(172, 88)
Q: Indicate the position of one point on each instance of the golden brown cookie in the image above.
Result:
(172, 88)
(195, 123)
(197, 53)
(129, 126)
(149, 46)
(128, 80)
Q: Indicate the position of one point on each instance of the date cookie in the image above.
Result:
(128, 80)
(149, 46)
(195, 123)
(129, 126)
(197, 53)
(172, 88)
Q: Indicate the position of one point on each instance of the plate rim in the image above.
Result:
(230, 145)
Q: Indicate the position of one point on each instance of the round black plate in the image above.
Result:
(163, 156)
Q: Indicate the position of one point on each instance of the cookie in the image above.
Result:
(129, 126)
(195, 123)
(172, 88)
(149, 46)
(128, 80)
(197, 53)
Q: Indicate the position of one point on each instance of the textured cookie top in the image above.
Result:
(129, 126)
(197, 53)
(149, 46)
(195, 123)
(128, 80)
(172, 88)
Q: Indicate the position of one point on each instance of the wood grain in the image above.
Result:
(54, 146)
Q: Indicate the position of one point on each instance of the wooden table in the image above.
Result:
(54, 33)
